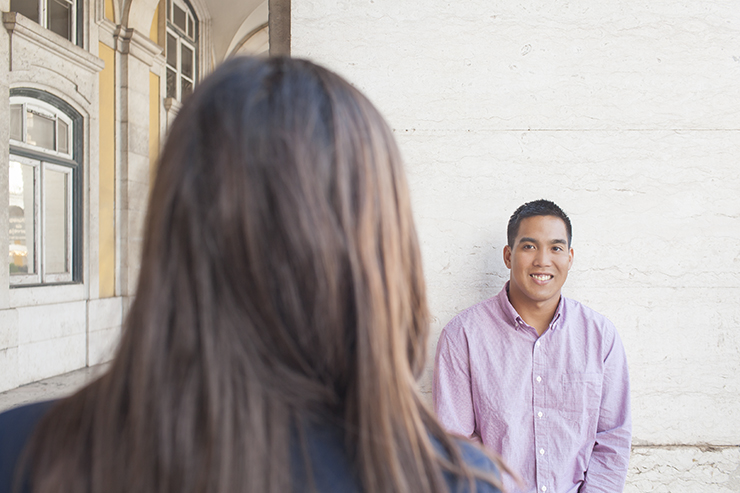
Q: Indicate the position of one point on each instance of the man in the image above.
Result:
(537, 377)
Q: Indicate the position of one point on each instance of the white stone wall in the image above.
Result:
(105, 317)
(47, 330)
(627, 114)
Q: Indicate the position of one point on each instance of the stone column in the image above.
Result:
(137, 55)
(279, 27)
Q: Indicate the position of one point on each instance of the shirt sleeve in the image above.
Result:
(607, 469)
(451, 390)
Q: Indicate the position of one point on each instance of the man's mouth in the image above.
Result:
(541, 277)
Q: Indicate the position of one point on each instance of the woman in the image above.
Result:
(280, 321)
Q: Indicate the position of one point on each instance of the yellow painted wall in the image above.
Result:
(109, 13)
(154, 30)
(107, 173)
(153, 126)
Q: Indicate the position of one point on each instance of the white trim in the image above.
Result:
(179, 41)
(39, 224)
(49, 111)
(52, 160)
(205, 58)
(57, 277)
(170, 4)
(35, 278)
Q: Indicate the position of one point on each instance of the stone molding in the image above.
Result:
(19, 25)
(172, 108)
(132, 42)
(107, 31)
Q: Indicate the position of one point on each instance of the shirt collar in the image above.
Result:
(555, 323)
(514, 317)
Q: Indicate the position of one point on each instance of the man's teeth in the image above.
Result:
(542, 277)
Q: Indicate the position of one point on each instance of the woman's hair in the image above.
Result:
(281, 282)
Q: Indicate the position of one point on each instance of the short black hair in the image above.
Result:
(540, 207)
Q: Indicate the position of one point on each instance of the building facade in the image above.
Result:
(90, 89)
(625, 113)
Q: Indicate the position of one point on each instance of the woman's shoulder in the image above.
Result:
(16, 427)
(477, 459)
(17, 424)
(332, 470)
(326, 454)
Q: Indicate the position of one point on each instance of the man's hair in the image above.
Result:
(540, 207)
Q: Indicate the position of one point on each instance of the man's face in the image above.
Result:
(539, 260)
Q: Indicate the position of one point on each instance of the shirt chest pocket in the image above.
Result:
(580, 396)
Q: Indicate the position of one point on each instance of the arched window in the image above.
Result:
(180, 49)
(45, 189)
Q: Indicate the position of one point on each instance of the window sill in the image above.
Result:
(45, 294)
(19, 25)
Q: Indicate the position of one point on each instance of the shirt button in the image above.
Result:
(542, 451)
(537, 344)
(539, 414)
(539, 379)
(544, 488)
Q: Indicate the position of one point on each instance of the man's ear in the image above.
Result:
(507, 257)
(570, 259)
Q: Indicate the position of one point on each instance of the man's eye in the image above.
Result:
(557, 249)
(528, 247)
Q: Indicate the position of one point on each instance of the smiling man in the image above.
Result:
(536, 377)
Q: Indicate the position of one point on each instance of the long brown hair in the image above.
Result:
(280, 282)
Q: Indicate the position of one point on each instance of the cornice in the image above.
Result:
(132, 42)
(19, 25)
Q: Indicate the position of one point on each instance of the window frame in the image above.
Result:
(182, 38)
(40, 220)
(35, 278)
(76, 18)
(43, 109)
(72, 165)
(56, 277)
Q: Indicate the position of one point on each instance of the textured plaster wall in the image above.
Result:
(627, 114)
(43, 329)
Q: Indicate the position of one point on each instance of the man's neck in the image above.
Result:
(537, 315)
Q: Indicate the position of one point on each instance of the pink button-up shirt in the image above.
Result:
(556, 407)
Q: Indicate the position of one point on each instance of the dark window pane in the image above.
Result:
(29, 8)
(191, 30)
(187, 62)
(60, 18)
(169, 9)
(171, 84)
(178, 17)
(171, 51)
(16, 122)
(187, 89)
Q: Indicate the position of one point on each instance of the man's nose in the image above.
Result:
(542, 258)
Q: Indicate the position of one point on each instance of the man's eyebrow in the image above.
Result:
(527, 239)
